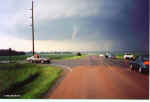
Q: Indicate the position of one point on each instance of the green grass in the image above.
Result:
(51, 56)
(63, 56)
(17, 73)
(14, 58)
(119, 56)
(75, 57)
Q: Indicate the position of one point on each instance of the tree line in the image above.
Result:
(9, 52)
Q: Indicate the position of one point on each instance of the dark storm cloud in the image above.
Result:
(123, 21)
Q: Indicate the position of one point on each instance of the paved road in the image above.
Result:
(98, 78)
(91, 60)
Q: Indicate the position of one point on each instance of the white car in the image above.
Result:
(32, 59)
(101, 55)
(128, 56)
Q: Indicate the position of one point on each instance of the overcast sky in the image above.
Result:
(73, 25)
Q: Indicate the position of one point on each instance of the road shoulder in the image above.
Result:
(57, 83)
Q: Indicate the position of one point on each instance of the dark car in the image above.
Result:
(141, 63)
(109, 55)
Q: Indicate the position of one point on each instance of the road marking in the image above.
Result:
(64, 66)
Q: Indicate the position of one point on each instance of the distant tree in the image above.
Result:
(79, 54)
(8, 52)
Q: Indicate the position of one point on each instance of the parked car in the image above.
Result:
(128, 56)
(109, 55)
(101, 55)
(39, 59)
(141, 63)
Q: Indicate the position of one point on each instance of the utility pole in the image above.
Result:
(33, 26)
(9, 52)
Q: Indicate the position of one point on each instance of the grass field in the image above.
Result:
(65, 57)
(120, 56)
(27, 80)
(14, 58)
(51, 56)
